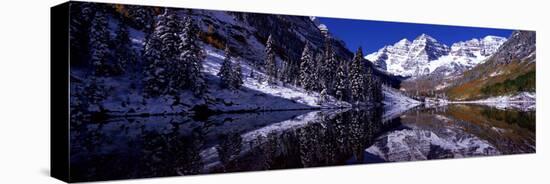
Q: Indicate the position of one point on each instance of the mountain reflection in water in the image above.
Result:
(122, 148)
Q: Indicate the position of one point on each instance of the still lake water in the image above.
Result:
(123, 148)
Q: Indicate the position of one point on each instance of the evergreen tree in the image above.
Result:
(356, 76)
(237, 75)
(270, 62)
(369, 85)
(88, 98)
(283, 75)
(289, 72)
(79, 33)
(341, 86)
(318, 69)
(142, 16)
(293, 72)
(230, 75)
(307, 70)
(99, 48)
(161, 55)
(124, 54)
(328, 66)
(378, 95)
(95, 93)
(226, 70)
(192, 56)
(155, 71)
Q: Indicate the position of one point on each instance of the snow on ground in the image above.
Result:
(215, 59)
(525, 101)
(124, 99)
(396, 103)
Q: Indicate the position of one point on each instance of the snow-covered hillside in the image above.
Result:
(158, 67)
(255, 95)
(396, 103)
(291, 93)
(425, 55)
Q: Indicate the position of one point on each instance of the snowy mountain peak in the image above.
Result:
(425, 38)
(425, 55)
(403, 42)
(317, 23)
(491, 38)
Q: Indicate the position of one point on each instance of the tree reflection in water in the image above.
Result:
(122, 148)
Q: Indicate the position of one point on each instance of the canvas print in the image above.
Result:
(160, 91)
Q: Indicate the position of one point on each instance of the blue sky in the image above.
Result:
(373, 35)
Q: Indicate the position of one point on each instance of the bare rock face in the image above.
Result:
(246, 33)
(521, 46)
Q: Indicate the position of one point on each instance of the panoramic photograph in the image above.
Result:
(159, 91)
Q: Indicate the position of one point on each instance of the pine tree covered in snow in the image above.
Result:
(237, 75)
(283, 74)
(161, 53)
(87, 97)
(357, 77)
(192, 56)
(307, 69)
(94, 94)
(328, 66)
(270, 62)
(155, 71)
(289, 73)
(230, 74)
(341, 86)
(377, 94)
(79, 33)
(369, 84)
(317, 72)
(294, 72)
(142, 16)
(99, 48)
(226, 70)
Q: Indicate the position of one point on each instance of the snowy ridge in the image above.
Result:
(425, 55)
(395, 103)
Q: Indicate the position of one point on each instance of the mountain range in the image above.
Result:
(426, 56)
(466, 70)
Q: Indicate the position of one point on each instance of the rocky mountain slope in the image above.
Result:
(248, 32)
(509, 71)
